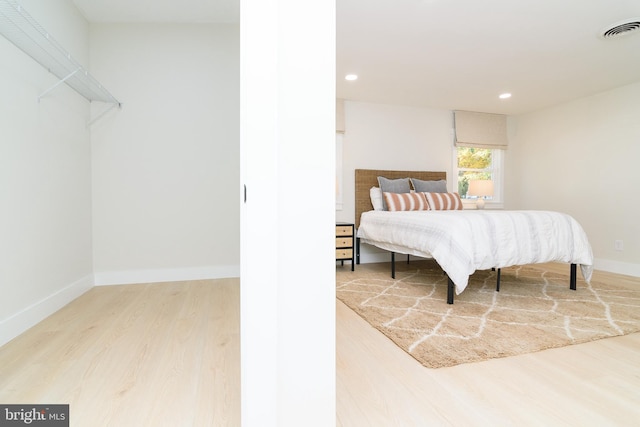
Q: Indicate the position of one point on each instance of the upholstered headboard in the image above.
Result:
(367, 178)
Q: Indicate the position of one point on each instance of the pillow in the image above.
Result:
(393, 186)
(376, 198)
(429, 186)
(406, 201)
(444, 201)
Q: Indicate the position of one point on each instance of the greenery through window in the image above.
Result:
(474, 163)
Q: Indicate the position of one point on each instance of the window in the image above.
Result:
(478, 163)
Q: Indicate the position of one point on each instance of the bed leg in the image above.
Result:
(450, 289)
(393, 265)
(358, 250)
(498, 282)
(573, 277)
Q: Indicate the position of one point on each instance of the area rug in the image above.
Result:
(534, 310)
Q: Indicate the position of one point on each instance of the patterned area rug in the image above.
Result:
(534, 310)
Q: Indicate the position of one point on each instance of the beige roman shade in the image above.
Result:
(339, 115)
(480, 130)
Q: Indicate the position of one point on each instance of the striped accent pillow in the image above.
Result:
(406, 201)
(444, 201)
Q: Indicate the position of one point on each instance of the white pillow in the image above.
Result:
(376, 198)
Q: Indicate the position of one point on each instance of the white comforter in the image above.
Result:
(464, 241)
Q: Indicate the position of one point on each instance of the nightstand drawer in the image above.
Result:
(344, 242)
(344, 230)
(344, 253)
(345, 237)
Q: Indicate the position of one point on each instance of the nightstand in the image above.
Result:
(345, 235)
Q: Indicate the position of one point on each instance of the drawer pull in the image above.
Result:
(344, 253)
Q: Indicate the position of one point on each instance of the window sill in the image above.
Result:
(471, 205)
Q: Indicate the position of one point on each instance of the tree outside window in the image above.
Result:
(474, 163)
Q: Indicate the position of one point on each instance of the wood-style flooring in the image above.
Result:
(163, 354)
(168, 354)
(591, 384)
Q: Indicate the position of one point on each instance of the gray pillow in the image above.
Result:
(393, 186)
(421, 186)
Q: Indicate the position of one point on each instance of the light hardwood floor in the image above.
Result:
(168, 354)
(592, 384)
(164, 354)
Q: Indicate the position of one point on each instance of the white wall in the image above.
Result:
(166, 165)
(287, 139)
(45, 178)
(580, 158)
(583, 158)
(380, 136)
(146, 193)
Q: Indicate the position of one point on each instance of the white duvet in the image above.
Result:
(464, 241)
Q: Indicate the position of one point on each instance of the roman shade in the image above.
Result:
(480, 130)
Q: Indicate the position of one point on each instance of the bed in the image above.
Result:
(463, 241)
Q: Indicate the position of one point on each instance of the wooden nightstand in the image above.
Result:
(345, 235)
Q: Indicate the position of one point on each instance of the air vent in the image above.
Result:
(621, 29)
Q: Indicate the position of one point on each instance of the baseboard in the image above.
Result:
(617, 267)
(626, 268)
(126, 277)
(370, 254)
(370, 258)
(38, 311)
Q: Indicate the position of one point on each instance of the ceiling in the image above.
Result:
(160, 11)
(452, 54)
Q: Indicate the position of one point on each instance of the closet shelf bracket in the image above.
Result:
(17, 26)
(58, 83)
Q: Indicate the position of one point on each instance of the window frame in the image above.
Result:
(497, 176)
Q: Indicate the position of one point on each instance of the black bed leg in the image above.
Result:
(450, 289)
(498, 282)
(358, 250)
(393, 265)
(573, 277)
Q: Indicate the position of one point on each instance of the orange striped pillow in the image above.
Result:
(406, 201)
(444, 201)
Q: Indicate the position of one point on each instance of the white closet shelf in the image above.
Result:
(17, 26)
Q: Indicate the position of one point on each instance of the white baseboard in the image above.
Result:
(370, 254)
(626, 268)
(165, 275)
(28, 317)
(370, 258)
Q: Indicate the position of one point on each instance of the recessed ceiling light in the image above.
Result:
(505, 96)
(351, 77)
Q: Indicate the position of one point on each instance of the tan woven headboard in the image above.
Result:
(367, 178)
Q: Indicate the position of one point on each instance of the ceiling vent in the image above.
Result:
(621, 29)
